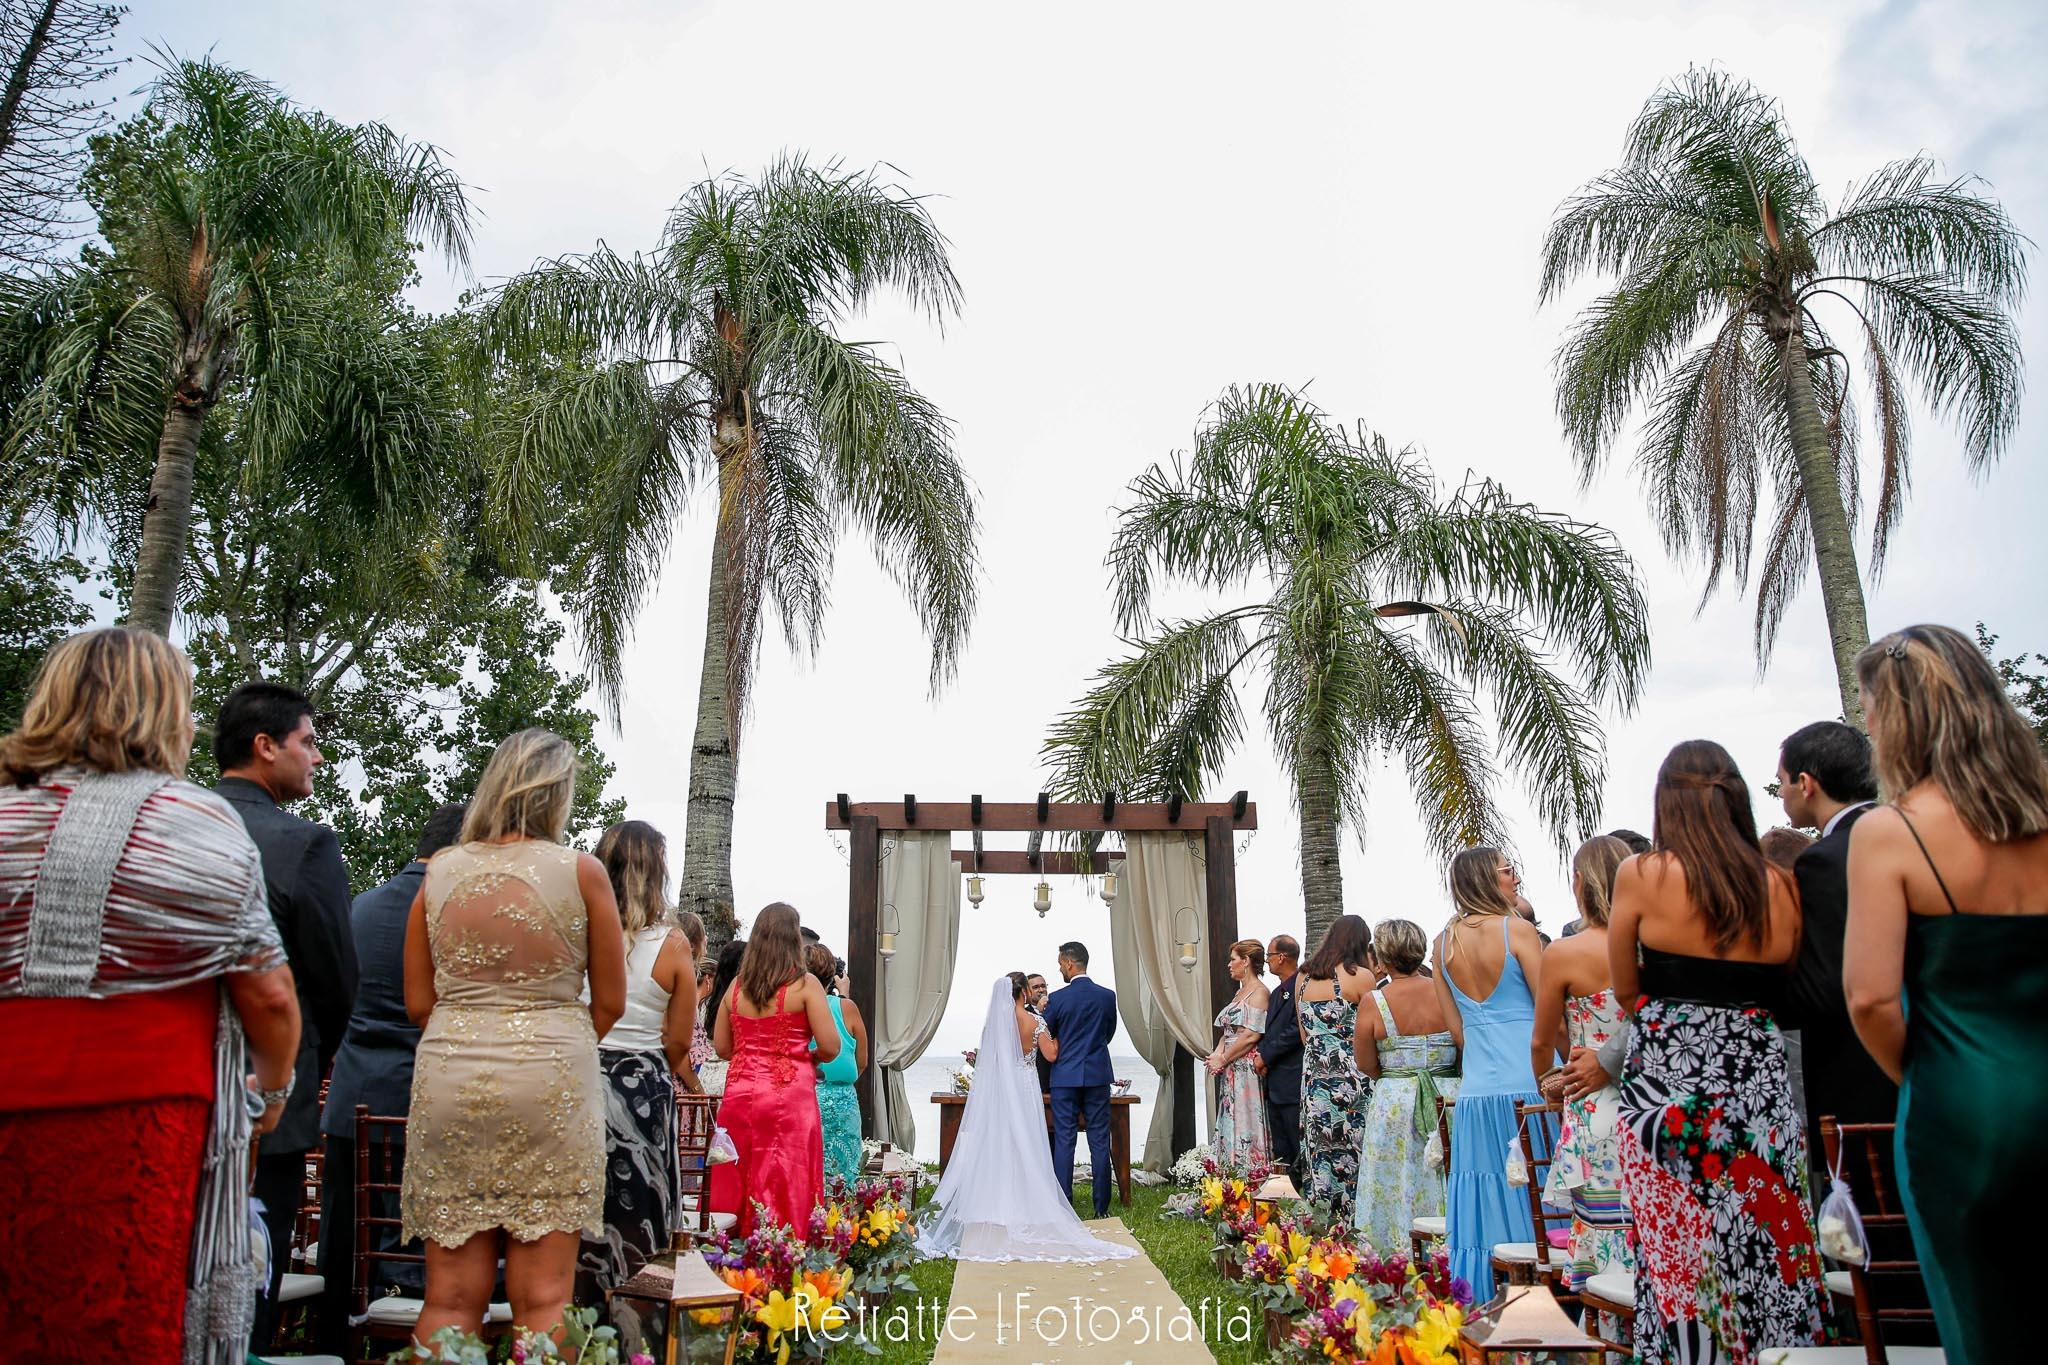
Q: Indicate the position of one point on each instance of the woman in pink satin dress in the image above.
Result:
(765, 1027)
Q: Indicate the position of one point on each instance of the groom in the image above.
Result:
(1082, 1019)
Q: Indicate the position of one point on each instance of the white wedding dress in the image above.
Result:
(999, 1200)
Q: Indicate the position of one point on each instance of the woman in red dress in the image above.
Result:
(137, 954)
(765, 1027)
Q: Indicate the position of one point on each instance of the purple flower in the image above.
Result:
(1461, 1291)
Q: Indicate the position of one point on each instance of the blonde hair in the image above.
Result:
(1400, 945)
(1595, 866)
(1475, 883)
(635, 857)
(527, 789)
(115, 700)
(1938, 713)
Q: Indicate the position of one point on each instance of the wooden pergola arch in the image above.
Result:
(865, 822)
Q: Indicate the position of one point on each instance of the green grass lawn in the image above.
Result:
(1178, 1246)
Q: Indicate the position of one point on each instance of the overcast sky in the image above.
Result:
(1148, 204)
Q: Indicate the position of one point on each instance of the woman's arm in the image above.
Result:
(1623, 922)
(1453, 1021)
(823, 1031)
(721, 1027)
(269, 1008)
(1048, 1046)
(679, 1020)
(607, 939)
(1874, 955)
(1545, 1038)
(1365, 1042)
(419, 962)
(858, 1027)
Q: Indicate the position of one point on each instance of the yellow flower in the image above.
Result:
(1436, 1330)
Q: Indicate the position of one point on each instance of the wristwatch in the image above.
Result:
(279, 1095)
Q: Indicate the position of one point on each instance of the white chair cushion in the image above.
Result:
(292, 1288)
(395, 1311)
(1839, 1283)
(1850, 1355)
(302, 1360)
(1615, 1286)
(1428, 1227)
(724, 1222)
(1514, 1251)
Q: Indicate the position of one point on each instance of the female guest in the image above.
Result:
(1401, 1045)
(1241, 1138)
(712, 1071)
(838, 1105)
(1712, 1151)
(640, 1058)
(1486, 973)
(773, 1025)
(1333, 980)
(701, 1051)
(1947, 972)
(1575, 1007)
(136, 954)
(505, 1153)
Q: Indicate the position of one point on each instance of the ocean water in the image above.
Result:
(931, 1074)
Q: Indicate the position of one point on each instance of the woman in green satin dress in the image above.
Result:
(1946, 970)
(838, 1104)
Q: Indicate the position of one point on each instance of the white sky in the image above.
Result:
(1147, 204)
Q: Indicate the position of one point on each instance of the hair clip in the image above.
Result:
(1896, 649)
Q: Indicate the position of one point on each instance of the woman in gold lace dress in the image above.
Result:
(505, 1145)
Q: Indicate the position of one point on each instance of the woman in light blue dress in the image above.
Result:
(1486, 966)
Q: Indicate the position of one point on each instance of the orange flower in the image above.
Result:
(747, 1281)
(1341, 1265)
(824, 1283)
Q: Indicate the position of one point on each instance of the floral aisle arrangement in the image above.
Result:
(795, 1291)
(884, 1232)
(593, 1345)
(1328, 1299)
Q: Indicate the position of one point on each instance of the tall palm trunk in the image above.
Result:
(1827, 517)
(167, 519)
(1322, 880)
(706, 885)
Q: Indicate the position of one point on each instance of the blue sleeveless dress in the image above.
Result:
(1483, 1209)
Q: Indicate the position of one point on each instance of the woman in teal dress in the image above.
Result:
(1946, 969)
(838, 1105)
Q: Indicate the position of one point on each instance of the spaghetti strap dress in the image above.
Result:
(771, 1111)
(838, 1105)
(1969, 1164)
(1484, 1210)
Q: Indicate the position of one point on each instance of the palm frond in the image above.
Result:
(1196, 532)
(1698, 461)
(1961, 345)
(1417, 711)
(1613, 356)
(625, 306)
(1721, 126)
(1907, 219)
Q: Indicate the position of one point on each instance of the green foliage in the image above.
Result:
(40, 604)
(1722, 249)
(2026, 682)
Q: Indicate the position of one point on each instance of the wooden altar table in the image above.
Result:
(951, 1106)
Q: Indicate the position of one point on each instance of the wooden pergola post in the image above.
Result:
(866, 822)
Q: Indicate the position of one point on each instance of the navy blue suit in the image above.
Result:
(1280, 1048)
(1082, 1019)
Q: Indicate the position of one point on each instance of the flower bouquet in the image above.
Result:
(962, 1076)
(874, 1219)
(1357, 1308)
(1225, 1198)
(795, 1292)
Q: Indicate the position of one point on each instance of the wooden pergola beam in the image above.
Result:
(1061, 816)
(1014, 862)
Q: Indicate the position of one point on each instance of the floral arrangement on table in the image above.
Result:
(593, 1345)
(794, 1290)
(876, 1214)
(962, 1076)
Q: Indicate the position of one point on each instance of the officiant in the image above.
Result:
(1278, 1060)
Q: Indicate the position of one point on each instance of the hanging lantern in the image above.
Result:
(1109, 885)
(891, 926)
(1042, 900)
(1187, 945)
(974, 889)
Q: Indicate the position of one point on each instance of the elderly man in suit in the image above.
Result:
(263, 740)
(1082, 1018)
(1825, 782)
(373, 1068)
(1278, 1059)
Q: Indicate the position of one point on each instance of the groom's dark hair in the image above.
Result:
(1076, 950)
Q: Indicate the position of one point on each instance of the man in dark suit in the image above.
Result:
(1825, 781)
(1082, 1018)
(264, 742)
(1278, 1060)
(374, 1068)
(1034, 1001)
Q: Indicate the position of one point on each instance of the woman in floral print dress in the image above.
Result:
(1241, 1140)
(1713, 1154)
(1333, 1091)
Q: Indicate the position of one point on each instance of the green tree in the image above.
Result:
(726, 366)
(40, 604)
(218, 187)
(52, 55)
(2026, 682)
(1386, 609)
(1726, 254)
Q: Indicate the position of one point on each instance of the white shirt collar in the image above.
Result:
(1841, 815)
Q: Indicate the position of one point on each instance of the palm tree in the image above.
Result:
(1726, 253)
(727, 365)
(1385, 607)
(227, 183)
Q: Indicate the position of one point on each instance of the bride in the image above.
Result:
(999, 1200)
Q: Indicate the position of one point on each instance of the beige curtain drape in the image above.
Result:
(1167, 884)
(920, 890)
(1146, 1027)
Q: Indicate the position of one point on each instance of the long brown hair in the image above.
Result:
(635, 857)
(113, 700)
(1596, 862)
(1937, 712)
(1475, 882)
(1346, 943)
(1704, 820)
(775, 955)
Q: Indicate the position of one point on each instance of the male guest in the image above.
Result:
(263, 740)
(1278, 1060)
(374, 1068)
(1034, 1001)
(1082, 1017)
(1825, 782)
